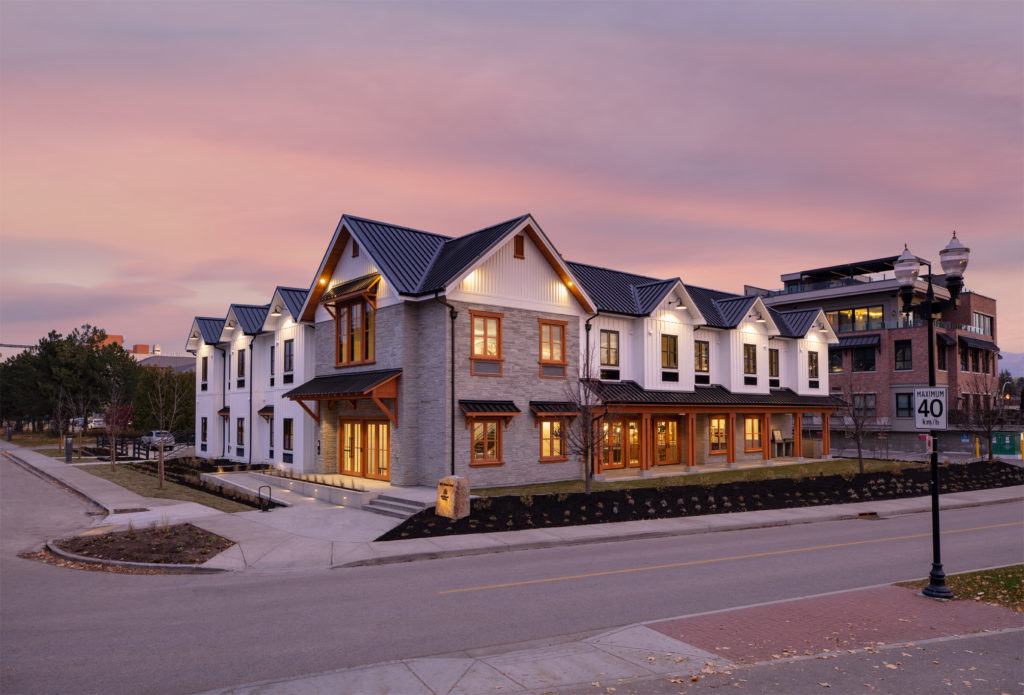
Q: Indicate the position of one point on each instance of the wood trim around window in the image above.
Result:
(564, 326)
(724, 451)
(519, 246)
(760, 433)
(541, 458)
(368, 334)
(473, 357)
(498, 428)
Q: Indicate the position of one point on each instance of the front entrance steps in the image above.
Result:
(372, 495)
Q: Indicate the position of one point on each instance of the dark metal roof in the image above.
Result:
(294, 299)
(795, 323)
(353, 384)
(853, 341)
(877, 265)
(358, 285)
(458, 254)
(707, 304)
(489, 407)
(553, 407)
(266, 410)
(173, 362)
(210, 328)
(631, 393)
(945, 339)
(611, 290)
(973, 342)
(403, 254)
(225, 410)
(650, 294)
(733, 309)
(250, 317)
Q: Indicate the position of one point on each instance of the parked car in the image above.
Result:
(96, 423)
(156, 438)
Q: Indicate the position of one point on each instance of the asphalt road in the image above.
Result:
(94, 632)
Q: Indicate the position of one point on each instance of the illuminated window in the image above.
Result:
(719, 441)
(752, 434)
(666, 441)
(669, 352)
(485, 350)
(812, 365)
(773, 363)
(749, 358)
(609, 348)
(701, 356)
(552, 440)
(240, 432)
(552, 349)
(355, 330)
(486, 442)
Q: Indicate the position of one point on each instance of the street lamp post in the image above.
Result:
(954, 261)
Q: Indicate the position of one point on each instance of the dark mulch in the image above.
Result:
(570, 509)
(183, 544)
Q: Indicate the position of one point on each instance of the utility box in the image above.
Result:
(453, 497)
(1007, 444)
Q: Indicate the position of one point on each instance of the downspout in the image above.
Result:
(224, 402)
(452, 314)
(252, 378)
(588, 456)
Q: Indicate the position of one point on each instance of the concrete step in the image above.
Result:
(397, 507)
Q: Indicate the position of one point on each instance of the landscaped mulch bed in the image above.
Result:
(571, 509)
(183, 544)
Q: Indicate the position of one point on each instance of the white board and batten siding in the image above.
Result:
(520, 283)
(630, 345)
(666, 322)
(748, 333)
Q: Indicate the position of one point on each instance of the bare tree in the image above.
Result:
(116, 417)
(584, 434)
(982, 411)
(167, 398)
(859, 419)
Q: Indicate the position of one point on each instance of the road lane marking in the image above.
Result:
(723, 559)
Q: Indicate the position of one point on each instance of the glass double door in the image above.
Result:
(620, 446)
(364, 449)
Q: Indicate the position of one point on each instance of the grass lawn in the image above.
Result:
(1003, 586)
(796, 470)
(31, 439)
(146, 485)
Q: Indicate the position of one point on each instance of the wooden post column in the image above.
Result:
(826, 436)
(646, 442)
(691, 439)
(766, 436)
(730, 442)
(798, 435)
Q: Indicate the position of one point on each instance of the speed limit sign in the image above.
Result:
(930, 408)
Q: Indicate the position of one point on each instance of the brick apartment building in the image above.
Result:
(882, 354)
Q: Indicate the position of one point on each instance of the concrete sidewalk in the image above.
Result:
(683, 650)
(311, 534)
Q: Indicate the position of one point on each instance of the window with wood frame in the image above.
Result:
(240, 432)
(669, 352)
(355, 331)
(552, 440)
(701, 356)
(752, 434)
(270, 434)
(273, 363)
(241, 363)
(485, 348)
(609, 348)
(666, 440)
(552, 348)
(773, 363)
(749, 358)
(718, 437)
(202, 429)
(519, 246)
(205, 371)
(486, 445)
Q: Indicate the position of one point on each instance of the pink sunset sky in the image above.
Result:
(161, 160)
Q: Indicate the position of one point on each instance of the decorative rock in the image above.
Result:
(453, 497)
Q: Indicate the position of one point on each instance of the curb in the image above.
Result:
(649, 534)
(51, 545)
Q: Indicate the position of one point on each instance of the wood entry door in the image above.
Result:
(364, 448)
(621, 445)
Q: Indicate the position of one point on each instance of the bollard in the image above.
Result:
(68, 441)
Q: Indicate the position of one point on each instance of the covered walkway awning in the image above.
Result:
(374, 385)
(631, 393)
